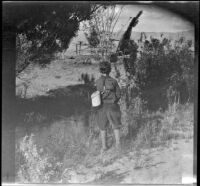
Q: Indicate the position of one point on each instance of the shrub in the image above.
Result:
(68, 141)
(89, 80)
(159, 128)
(34, 165)
(161, 65)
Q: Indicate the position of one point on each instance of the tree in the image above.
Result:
(127, 46)
(23, 53)
(92, 38)
(49, 26)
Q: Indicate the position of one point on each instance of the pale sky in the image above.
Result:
(153, 19)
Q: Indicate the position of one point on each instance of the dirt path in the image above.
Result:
(161, 166)
(166, 165)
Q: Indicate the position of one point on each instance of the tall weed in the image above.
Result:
(35, 166)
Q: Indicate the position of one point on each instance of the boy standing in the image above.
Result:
(109, 113)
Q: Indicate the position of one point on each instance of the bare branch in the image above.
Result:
(117, 19)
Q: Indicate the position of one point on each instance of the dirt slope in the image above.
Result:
(166, 165)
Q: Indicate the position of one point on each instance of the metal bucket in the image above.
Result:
(96, 99)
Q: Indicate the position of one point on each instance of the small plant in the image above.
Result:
(87, 79)
(21, 89)
(35, 166)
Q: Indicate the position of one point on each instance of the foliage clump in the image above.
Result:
(35, 165)
(162, 65)
(46, 29)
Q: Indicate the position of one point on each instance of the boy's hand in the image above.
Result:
(105, 93)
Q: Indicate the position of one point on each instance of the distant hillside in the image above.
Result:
(189, 35)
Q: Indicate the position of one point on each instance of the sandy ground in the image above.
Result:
(59, 73)
(164, 165)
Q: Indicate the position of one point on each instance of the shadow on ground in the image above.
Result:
(60, 103)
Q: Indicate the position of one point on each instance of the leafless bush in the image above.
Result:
(99, 30)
